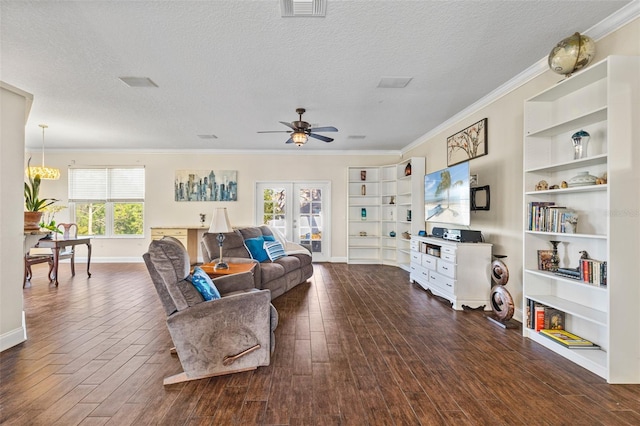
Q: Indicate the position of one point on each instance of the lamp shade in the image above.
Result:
(220, 222)
(44, 172)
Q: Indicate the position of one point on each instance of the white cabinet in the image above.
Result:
(458, 272)
(386, 203)
(603, 100)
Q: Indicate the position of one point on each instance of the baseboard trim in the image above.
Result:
(13, 337)
(109, 260)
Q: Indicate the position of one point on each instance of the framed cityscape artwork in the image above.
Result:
(206, 185)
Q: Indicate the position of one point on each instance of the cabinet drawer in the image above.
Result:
(445, 283)
(446, 268)
(429, 262)
(419, 273)
(415, 257)
(415, 245)
(448, 257)
(448, 250)
(172, 232)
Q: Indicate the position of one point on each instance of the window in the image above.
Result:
(107, 202)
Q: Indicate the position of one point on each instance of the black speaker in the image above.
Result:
(438, 232)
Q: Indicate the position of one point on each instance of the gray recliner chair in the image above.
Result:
(228, 335)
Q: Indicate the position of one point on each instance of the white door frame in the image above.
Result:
(292, 211)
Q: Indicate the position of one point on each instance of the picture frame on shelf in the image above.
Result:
(468, 143)
(544, 260)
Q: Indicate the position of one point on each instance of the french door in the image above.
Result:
(299, 210)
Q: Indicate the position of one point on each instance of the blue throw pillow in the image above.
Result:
(274, 250)
(269, 237)
(202, 282)
(256, 248)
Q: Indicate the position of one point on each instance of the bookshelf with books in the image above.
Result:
(591, 223)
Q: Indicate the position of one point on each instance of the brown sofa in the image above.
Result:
(279, 276)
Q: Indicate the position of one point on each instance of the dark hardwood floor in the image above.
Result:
(357, 345)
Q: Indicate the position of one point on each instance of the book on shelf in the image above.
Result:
(553, 319)
(593, 271)
(568, 340)
(545, 216)
(538, 313)
(540, 316)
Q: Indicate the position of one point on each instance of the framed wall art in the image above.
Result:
(468, 143)
(206, 185)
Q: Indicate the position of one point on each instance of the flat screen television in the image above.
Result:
(447, 197)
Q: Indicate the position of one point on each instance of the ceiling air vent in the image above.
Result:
(303, 7)
(138, 81)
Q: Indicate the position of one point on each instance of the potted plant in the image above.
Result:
(34, 206)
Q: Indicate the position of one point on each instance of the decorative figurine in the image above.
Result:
(542, 185)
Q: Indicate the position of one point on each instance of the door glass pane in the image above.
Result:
(310, 216)
(274, 209)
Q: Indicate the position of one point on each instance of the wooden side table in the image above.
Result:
(234, 268)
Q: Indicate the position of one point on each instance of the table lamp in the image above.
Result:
(220, 224)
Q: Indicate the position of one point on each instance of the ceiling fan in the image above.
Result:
(301, 130)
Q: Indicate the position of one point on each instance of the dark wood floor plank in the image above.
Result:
(357, 345)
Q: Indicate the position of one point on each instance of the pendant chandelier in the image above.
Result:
(50, 173)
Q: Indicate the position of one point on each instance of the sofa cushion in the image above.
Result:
(274, 250)
(289, 263)
(202, 282)
(232, 246)
(256, 248)
(271, 271)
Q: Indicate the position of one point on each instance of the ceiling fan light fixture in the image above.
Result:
(299, 138)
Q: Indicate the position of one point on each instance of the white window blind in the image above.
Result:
(106, 184)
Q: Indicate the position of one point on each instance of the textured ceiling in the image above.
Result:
(232, 68)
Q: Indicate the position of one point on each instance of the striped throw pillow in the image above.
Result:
(274, 250)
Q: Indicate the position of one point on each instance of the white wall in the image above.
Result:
(162, 210)
(14, 108)
(502, 168)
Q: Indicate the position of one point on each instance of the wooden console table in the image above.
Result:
(187, 235)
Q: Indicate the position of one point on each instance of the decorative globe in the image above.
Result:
(571, 54)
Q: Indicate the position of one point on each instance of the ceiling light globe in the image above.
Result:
(299, 138)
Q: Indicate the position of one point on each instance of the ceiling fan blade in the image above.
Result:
(289, 140)
(324, 129)
(274, 131)
(322, 138)
(288, 125)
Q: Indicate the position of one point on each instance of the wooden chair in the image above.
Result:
(69, 230)
(33, 258)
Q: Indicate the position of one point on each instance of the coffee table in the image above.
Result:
(234, 268)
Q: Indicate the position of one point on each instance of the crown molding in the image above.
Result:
(613, 22)
(197, 151)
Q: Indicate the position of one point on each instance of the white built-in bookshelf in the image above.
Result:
(603, 100)
(387, 195)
